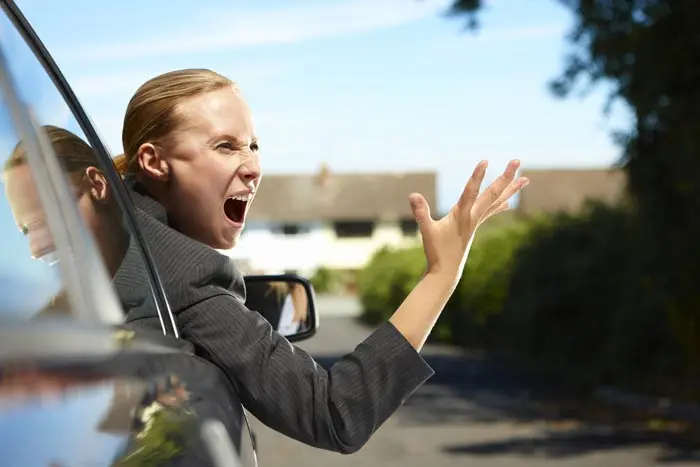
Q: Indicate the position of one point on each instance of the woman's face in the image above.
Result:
(212, 167)
(28, 209)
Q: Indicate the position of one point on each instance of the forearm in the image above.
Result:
(416, 316)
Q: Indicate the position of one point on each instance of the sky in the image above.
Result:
(361, 85)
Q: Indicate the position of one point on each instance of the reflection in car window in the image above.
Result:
(66, 432)
(27, 286)
(22, 210)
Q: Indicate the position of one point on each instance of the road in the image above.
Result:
(470, 413)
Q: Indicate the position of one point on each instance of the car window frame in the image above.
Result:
(42, 55)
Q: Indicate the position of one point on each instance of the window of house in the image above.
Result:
(290, 229)
(353, 229)
(409, 227)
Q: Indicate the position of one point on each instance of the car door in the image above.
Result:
(57, 111)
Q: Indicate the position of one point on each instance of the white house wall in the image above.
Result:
(265, 251)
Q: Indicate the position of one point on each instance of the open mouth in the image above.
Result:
(235, 208)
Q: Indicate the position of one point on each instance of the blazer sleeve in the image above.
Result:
(288, 391)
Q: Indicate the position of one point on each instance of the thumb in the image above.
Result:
(420, 208)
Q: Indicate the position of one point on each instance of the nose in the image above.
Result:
(250, 172)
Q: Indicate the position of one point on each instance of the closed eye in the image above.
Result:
(226, 145)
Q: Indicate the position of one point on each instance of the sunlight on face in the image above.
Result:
(215, 167)
(28, 210)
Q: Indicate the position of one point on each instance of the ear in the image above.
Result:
(97, 184)
(152, 163)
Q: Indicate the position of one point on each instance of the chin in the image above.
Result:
(227, 242)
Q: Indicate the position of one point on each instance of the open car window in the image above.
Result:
(33, 283)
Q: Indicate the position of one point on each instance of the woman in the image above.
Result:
(95, 203)
(191, 162)
(283, 304)
(98, 209)
(294, 308)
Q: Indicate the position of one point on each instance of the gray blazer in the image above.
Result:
(280, 384)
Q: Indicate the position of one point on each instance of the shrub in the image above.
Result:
(322, 280)
(579, 297)
(326, 280)
(584, 302)
(483, 289)
(386, 281)
(392, 273)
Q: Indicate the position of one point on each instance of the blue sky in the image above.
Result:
(363, 85)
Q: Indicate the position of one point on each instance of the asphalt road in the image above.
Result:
(470, 413)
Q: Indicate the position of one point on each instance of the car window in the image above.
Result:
(28, 253)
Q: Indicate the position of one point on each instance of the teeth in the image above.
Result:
(244, 197)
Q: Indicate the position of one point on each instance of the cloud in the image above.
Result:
(246, 28)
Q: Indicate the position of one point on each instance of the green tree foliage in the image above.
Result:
(649, 52)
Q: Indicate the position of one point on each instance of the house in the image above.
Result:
(301, 222)
(555, 190)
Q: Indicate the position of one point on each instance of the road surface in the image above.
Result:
(470, 413)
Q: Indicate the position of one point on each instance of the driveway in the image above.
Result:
(471, 413)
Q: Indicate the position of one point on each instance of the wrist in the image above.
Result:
(447, 278)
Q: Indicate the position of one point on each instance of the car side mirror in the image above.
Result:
(286, 301)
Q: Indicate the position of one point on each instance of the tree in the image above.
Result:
(649, 50)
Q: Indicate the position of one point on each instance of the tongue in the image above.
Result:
(235, 209)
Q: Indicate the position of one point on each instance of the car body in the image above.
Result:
(77, 387)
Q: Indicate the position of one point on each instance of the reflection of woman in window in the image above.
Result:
(93, 195)
(98, 208)
(294, 306)
(284, 305)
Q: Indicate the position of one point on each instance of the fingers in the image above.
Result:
(420, 208)
(495, 209)
(512, 188)
(471, 190)
(492, 194)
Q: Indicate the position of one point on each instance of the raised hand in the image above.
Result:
(446, 241)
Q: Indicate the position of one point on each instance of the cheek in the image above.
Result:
(210, 178)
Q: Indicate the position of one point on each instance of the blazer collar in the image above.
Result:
(144, 201)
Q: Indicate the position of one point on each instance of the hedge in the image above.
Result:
(577, 297)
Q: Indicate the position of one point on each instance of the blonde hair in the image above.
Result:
(282, 289)
(74, 154)
(152, 111)
(279, 287)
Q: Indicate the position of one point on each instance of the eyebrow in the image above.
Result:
(253, 140)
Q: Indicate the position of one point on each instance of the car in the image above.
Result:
(78, 386)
